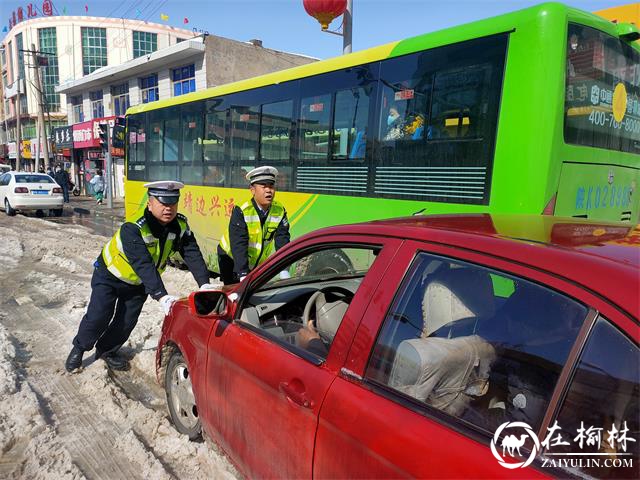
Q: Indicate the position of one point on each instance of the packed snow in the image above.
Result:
(92, 424)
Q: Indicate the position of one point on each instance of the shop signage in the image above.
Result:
(26, 149)
(12, 149)
(87, 134)
(35, 151)
(63, 137)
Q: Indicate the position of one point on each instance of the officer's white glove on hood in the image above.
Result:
(166, 302)
(210, 286)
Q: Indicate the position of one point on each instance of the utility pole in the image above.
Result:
(106, 142)
(41, 125)
(18, 129)
(110, 193)
(347, 26)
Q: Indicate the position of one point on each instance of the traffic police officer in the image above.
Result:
(256, 229)
(129, 268)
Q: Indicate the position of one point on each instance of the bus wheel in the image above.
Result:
(326, 262)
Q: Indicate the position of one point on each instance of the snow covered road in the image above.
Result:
(93, 424)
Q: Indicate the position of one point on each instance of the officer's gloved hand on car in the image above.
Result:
(166, 302)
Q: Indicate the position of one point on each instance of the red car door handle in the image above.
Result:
(295, 396)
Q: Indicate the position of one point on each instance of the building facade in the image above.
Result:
(178, 69)
(69, 47)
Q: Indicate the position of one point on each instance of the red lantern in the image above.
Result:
(325, 10)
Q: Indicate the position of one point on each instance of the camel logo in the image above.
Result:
(511, 443)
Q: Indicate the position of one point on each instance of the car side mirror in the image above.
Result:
(208, 302)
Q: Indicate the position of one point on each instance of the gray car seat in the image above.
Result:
(448, 370)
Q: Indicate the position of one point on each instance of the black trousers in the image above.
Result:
(225, 264)
(112, 313)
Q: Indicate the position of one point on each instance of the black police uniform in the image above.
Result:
(107, 330)
(231, 269)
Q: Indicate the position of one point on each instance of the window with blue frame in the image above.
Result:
(120, 99)
(149, 88)
(183, 80)
(97, 107)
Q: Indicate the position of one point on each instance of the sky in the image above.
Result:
(284, 24)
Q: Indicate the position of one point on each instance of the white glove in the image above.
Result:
(166, 302)
(243, 277)
(210, 286)
(284, 274)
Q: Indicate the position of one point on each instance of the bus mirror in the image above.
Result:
(628, 32)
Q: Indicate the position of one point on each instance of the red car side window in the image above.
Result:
(601, 413)
(305, 302)
(475, 343)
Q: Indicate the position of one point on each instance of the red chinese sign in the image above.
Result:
(87, 134)
(403, 95)
(18, 15)
(215, 207)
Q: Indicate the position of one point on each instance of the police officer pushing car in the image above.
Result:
(256, 229)
(129, 268)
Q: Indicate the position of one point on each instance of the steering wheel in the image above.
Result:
(329, 313)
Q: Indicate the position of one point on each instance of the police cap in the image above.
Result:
(166, 191)
(263, 175)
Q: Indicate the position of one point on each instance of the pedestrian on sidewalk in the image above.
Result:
(129, 269)
(62, 178)
(98, 186)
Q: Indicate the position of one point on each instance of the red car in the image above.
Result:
(448, 346)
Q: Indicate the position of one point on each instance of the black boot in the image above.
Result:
(114, 361)
(74, 360)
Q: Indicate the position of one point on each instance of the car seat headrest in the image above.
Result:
(456, 294)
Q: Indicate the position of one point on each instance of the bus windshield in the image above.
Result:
(602, 102)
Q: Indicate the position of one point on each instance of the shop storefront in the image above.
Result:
(88, 154)
(63, 152)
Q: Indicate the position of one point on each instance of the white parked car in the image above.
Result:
(30, 191)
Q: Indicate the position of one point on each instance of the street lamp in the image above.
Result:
(326, 10)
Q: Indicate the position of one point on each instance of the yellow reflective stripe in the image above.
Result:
(107, 253)
(119, 241)
(118, 274)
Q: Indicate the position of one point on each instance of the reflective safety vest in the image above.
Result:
(261, 243)
(118, 263)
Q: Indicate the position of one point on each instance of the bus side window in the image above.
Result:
(350, 123)
(458, 97)
(214, 132)
(315, 123)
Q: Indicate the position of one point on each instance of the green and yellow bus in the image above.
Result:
(536, 111)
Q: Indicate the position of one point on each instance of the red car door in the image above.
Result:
(366, 431)
(270, 394)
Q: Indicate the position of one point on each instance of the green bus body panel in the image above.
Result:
(600, 192)
(532, 164)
